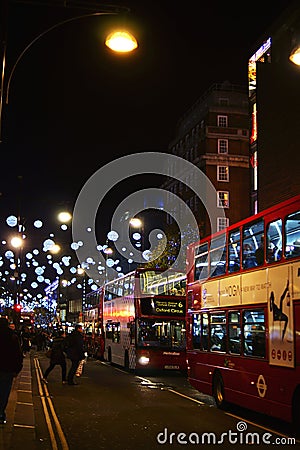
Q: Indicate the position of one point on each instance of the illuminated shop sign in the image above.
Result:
(253, 136)
(252, 63)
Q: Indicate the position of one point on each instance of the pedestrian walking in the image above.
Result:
(40, 340)
(57, 357)
(75, 352)
(26, 340)
(11, 363)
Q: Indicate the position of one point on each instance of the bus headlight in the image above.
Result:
(144, 360)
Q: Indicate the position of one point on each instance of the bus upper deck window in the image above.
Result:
(218, 255)
(234, 249)
(201, 262)
(253, 244)
(292, 235)
(274, 241)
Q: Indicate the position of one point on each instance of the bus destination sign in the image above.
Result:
(162, 307)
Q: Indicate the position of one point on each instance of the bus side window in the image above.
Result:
(196, 332)
(249, 259)
(218, 332)
(204, 334)
(200, 331)
(234, 332)
(218, 256)
(292, 235)
(258, 342)
(108, 330)
(253, 244)
(254, 333)
(116, 332)
(234, 248)
(201, 262)
(274, 241)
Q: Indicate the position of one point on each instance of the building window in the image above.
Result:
(223, 173)
(223, 146)
(222, 222)
(223, 101)
(222, 121)
(223, 199)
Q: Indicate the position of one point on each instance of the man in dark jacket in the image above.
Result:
(75, 352)
(57, 357)
(11, 363)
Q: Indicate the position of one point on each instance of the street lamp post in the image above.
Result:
(118, 41)
(17, 243)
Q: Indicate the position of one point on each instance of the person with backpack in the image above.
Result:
(57, 357)
(75, 352)
(11, 363)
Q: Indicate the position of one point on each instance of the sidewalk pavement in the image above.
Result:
(19, 431)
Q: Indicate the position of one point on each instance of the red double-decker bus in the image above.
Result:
(144, 320)
(243, 313)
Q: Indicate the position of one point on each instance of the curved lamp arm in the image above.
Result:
(53, 27)
(106, 10)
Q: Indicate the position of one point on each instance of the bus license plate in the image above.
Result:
(172, 367)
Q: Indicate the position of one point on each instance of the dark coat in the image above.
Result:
(57, 351)
(11, 355)
(75, 350)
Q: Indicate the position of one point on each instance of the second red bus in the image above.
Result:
(144, 320)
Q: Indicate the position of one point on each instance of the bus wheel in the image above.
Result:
(218, 390)
(126, 361)
(109, 355)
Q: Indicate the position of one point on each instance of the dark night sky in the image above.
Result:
(74, 106)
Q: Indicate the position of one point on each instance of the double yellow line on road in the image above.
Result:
(49, 411)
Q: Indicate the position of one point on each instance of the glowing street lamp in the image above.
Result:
(135, 222)
(64, 217)
(295, 55)
(118, 41)
(121, 41)
(64, 283)
(16, 242)
(55, 249)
